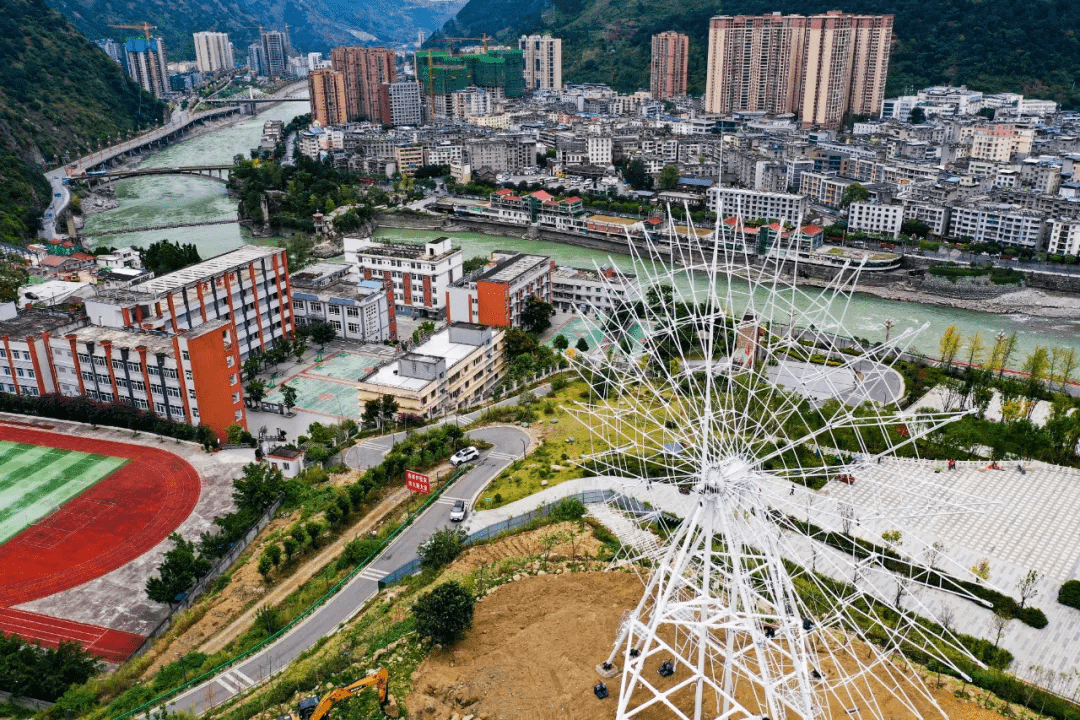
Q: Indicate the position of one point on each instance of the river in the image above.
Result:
(173, 199)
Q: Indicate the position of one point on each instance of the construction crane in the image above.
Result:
(312, 708)
(484, 38)
(144, 26)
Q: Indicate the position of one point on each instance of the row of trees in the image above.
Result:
(1042, 366)
(28, 670)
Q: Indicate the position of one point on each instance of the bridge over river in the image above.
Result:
(213, 172)
(107, 233)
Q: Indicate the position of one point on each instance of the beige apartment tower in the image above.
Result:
(543, 62)
(667, 71)
(213, 52)
(819, 67)
(365, 70)
(326, 88)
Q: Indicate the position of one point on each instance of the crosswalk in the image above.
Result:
(501, 456)
(234, 681)
(449, 500)
(373, 574)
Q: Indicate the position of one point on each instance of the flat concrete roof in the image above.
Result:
(208, 268)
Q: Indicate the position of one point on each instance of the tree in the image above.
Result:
(669, 177)
(1027, 587)
(166, 256)
(299, 347)
(975, 350)
(445, 614)
(519, 342)
(258, 487)
(582, 345)
(388, 408)
(372, 411)
(855, 192)
(255, 391)
(474, 263)
(13, 275)
(560, 342)
(322, 332)
(1037, 366)
(288, 397)
(998, 622)
(917, 116)
(981, 569)
(949, 345)
(536, 317)
(252, 366)
(914, 227)
(442, 548)
(178, 571)
(1065, 362)
(298, 251)
(637, 175)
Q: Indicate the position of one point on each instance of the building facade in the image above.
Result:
(326, 88)
(359, 311)
(820, 66)
(401, 103)
(875, 218)
(497, 296)
(582, 290)
(146, 63)
(543, 62)
(365, 71)
(748, 204)
(420, 274)
(276, 53)
(213, 52)
(667, 69)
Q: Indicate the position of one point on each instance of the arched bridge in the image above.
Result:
(214, 172)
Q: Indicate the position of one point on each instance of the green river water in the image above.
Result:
(163, 200)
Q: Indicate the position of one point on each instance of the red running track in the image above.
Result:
(121, 517)
(112, 645)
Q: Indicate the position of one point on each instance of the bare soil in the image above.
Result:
(535, 643)
(532, 544)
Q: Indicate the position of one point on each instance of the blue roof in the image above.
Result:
(374, 284)
(700, 182)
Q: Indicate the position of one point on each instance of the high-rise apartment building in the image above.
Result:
(326, 88)
(276, 48)
(818, 66)
(257, 59)
(111, 48)
(401, 103)
(146, 64)
(213, 52)
(365, 70)
(667, 71)
(543, 62)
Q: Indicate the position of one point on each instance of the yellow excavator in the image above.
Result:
(312, 708)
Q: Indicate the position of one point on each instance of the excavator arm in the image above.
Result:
(379, 679)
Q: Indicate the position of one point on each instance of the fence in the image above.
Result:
(622, 502)
(219, 567)
(209, 674)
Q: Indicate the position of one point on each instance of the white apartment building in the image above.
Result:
(360, 311)
(248, 286)
(444, 154)
(824, 188)
(455, 369)
(999, 223)
(599, 149)
(875, 218)
(580, 290)
(213, 52)
(470, 102)
(421, 274)
(1064, 237)
(543, 62)
(749, 204)
(936, 217)
(998, 143)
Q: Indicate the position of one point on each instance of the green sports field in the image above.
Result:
(37, 480)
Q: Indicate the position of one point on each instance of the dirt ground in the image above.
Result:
(227, 618)
(530, 545)
(533, 647)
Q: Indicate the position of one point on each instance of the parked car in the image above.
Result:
(464, 455)
(457, 513)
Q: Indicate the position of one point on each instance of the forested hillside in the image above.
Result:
(994, 45)
(58, 94)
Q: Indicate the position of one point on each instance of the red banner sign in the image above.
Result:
(417, 482)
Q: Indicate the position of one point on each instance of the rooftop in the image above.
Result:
(512, 268)
(35, 322)
(208, 268)
(411, 251)
(438, 347)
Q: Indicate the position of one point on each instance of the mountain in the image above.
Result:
(314, 25)
(992, 45)
(59, 94)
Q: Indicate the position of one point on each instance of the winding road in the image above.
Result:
(507, 442)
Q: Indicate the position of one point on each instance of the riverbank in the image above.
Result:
(1024, 301)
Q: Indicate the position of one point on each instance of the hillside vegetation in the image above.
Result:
(992, 45)
(314, 25)
(58, 94)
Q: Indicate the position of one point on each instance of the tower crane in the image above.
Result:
(144, 26)
(484, 39)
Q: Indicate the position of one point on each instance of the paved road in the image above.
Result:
(507, 443)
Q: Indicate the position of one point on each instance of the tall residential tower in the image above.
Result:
(365, 70)
(276, 47)
(326, 88)
(146, 64)
(667, 71)
(213, 52)
(543, 62)
(820, 66)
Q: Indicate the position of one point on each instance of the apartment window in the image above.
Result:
(187, 374)
(232, 379)
(137, 385)
(153, 370)
(170, 373)
(173, 392)
(335, 309)
(98, 360)
(88, 376)
(195, 412)
(230, 361)
(352, 312)
(118, 364)
(235, 397)
(159, 408)
(185, 354)
(239, 415)
(3, 353)
(191, 393)
(354, 328)
(134, 367)
(121, 382)
(19, 372)
(156, 388)
(315, 307)
(336, 324)
(7, 371)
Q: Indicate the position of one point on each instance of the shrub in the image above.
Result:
(442, 548)
(568, 509)
(274, 553)
(265, 566)
(445, 613)
(1069, 594)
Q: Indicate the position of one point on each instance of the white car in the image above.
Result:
(457, 513)
(464, 455)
